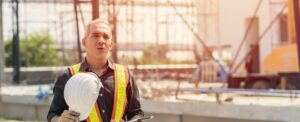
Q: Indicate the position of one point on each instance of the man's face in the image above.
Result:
(98, 41)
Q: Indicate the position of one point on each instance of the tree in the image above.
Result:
(36, 49)
(157, 54)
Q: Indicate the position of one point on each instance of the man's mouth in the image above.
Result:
(100, 48)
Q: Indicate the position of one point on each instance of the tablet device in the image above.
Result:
(141, 119)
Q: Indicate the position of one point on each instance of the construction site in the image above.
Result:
(192, 60)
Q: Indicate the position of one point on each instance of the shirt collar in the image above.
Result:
(85, 66)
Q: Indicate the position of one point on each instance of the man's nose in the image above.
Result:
(101, 40)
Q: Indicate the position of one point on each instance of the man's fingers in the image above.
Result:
(74, 113)
(71, 116)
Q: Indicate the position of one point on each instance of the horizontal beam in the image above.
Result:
(145, 3)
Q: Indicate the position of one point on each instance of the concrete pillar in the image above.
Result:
(2, 58)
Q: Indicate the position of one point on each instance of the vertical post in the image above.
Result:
(291, 22)
(297, 28)
(114, 32)
(282, 83)
(156, 23)
(2, 58)
(95, 9)
(16, 62)
(77, 30)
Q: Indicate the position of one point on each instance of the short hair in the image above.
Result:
(103, 21)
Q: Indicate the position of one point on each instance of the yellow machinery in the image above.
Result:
(284, 57)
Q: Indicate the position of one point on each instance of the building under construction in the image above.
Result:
(193, 60)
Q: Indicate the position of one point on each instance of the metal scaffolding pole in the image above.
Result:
(114, 32)
(76, 2)
(16, 53)
(95, 9)
(2, 58)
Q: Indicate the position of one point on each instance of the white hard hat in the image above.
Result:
(81, 92)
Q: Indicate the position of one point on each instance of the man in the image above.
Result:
(97, 42)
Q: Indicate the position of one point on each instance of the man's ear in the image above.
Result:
(110, 44)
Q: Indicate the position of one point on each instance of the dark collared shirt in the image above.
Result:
(106, 95)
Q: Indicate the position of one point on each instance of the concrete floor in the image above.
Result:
(190, 118)
(21, 103)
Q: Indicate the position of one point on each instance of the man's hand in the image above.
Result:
(69, 116)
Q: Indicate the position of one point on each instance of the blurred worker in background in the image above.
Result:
(196, 77)
(118, 100)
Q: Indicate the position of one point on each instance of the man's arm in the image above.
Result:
(55, 119)
(58, 104)
(134, 106)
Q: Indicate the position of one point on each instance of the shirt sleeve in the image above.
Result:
(58, 104)
(134, 106)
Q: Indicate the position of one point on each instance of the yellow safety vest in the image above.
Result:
(121, 81)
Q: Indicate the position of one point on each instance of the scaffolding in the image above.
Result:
(138, 26)
(137, 21)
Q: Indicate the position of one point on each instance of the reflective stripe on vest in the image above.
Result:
(75, 69)
(120, 97)
(121, 76)
(95, 115)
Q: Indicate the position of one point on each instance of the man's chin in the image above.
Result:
(102, 56)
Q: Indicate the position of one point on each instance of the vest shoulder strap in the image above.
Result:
(74, 69)
(120, 95)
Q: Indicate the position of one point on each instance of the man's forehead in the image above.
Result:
(98, 27)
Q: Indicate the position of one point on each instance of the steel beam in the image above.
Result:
(145, 3)
(95, 9)
(77, 31)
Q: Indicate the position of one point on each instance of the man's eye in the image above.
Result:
(95, 35)
(105, 36)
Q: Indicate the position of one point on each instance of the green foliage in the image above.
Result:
(36, 49)
(156, 55)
